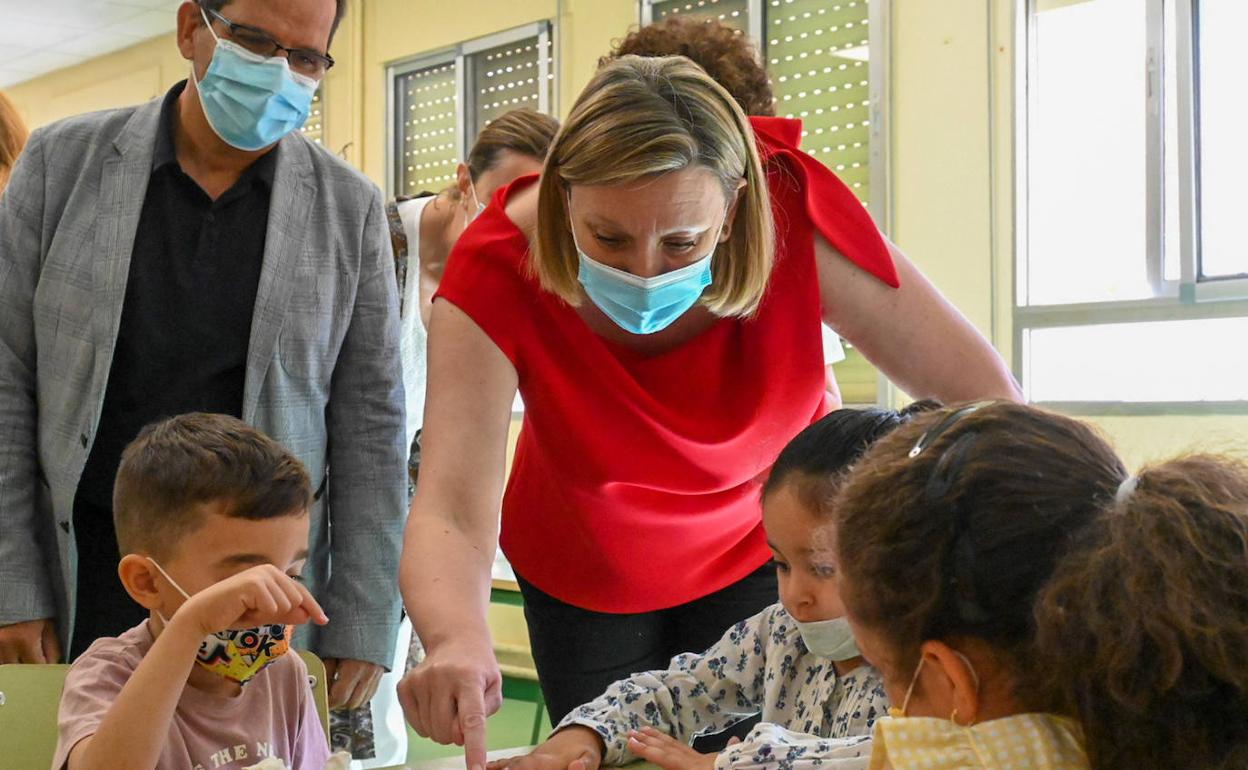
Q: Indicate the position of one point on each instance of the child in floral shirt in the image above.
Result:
(795, 663)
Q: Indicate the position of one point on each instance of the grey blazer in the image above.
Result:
(323, 373)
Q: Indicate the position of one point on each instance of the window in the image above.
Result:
(819, 56)
(440, 102)
(817, 52)
(314, 127)
(1131, 284)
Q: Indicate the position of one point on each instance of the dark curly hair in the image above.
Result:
(1123, 603)
(1145, 629)
(979, 516)
(726, 55)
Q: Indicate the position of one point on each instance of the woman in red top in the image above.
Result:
(656, 299)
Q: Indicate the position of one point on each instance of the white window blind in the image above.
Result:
(734, 13)
(508, 77)
(440, 103)
(428, 105)
(314, 128)
(817, 53)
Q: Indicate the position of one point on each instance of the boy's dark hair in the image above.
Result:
(177, 465)
(819, 457)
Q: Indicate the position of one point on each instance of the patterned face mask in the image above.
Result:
(237, 654)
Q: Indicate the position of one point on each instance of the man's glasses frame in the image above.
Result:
(302, 60)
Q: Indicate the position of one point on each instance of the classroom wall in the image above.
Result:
(128, 76)
(951, 145)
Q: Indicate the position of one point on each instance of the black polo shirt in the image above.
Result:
(186, 321)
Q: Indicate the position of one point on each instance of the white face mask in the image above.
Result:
(829, 638)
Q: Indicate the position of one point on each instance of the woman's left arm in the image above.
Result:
(913, 334)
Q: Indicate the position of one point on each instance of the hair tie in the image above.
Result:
(1126, 488)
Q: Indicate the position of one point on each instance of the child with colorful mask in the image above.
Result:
(212, 519)
(795, 663)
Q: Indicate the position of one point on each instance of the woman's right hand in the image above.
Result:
(572, 748)
(451, 693)
(452, 534)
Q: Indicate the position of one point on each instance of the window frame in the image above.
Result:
(461, 54)
(1188, 298)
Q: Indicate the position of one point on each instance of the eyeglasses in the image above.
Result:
(302, 60)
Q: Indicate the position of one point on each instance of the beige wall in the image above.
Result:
(951, 145)
(129, 76)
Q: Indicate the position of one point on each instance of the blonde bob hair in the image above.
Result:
(641, 117)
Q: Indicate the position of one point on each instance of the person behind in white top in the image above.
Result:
(423, 230)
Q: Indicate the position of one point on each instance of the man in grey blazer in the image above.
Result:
(198, 254)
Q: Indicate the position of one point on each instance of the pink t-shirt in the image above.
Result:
(274, 715)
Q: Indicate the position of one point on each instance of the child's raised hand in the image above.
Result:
(259, 596)
(667, 752)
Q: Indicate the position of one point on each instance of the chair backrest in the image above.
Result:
(30, 696)
(320, 688)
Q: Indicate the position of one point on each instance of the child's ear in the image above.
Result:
(960, 682)
(138, 576)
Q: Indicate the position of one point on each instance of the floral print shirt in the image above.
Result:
(759, 667)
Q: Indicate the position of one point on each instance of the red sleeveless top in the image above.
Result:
(635, 485)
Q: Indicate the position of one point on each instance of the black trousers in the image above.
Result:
(103, 607)
(579, 652)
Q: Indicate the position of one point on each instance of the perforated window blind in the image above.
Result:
(817, 54)
(426, 110)
(314, 128)
(735, 13)
(818, 57)
(442, 102)
(508, 77)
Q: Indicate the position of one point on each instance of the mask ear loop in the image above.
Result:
(480, 206)
(172, 582)
(966, 728)
(905, 703)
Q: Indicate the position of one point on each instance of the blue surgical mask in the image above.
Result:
(643, 305)
(252, 101)
(831, 639)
